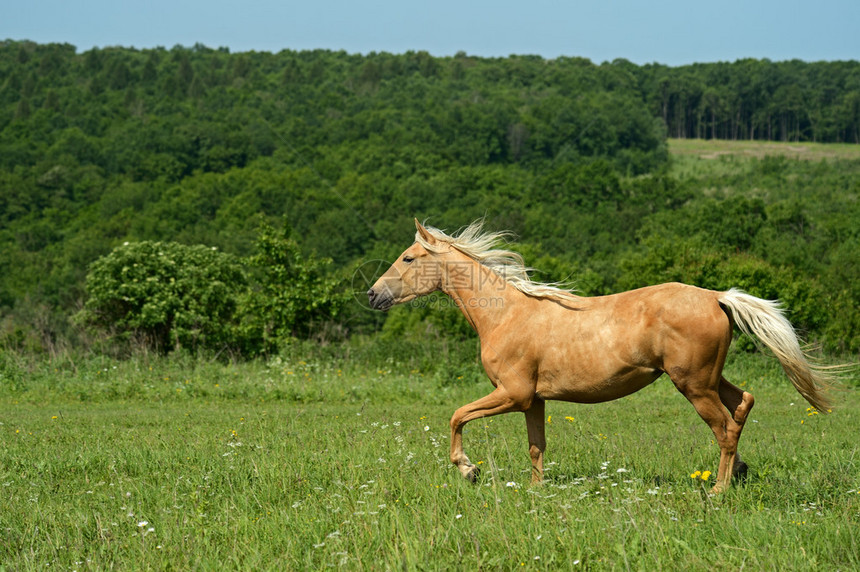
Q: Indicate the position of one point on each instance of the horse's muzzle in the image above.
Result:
(380, 300)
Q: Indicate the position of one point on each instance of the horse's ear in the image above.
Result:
(422, 232)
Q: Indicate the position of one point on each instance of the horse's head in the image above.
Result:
(417, 272)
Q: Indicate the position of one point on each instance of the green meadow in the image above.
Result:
(333, 462)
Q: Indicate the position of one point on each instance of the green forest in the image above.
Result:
(230, 203)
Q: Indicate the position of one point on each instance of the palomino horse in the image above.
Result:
(541, 342)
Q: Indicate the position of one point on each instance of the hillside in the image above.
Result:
(201, 146)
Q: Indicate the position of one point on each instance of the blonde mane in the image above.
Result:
(482, 247)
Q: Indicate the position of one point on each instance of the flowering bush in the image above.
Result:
(168, 294)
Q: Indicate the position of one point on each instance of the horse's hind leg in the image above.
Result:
(705, 396)
(739, 403)
(725, 430)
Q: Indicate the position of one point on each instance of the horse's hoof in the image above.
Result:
(471, 473)
(719, 488)
(740, 471)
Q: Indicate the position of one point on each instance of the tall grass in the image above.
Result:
(318, 462)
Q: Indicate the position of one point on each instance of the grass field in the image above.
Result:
(697, 158)
(717, 148)
(159, 464)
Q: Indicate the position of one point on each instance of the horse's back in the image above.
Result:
(670, 315)
(614, 345)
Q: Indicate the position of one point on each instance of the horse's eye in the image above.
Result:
(408, 259)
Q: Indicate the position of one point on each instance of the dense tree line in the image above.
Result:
(756, 99)
(194, 146)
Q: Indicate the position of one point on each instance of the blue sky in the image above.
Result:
(672, 32)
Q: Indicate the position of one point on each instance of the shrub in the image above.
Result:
(293, 294)
(169, 295)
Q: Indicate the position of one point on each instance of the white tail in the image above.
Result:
(765, 320)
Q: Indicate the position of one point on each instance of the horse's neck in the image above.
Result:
(482, 295)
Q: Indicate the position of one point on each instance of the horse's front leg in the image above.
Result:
(499, 401)
(537, 437)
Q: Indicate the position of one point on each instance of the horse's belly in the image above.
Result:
(586, 389)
